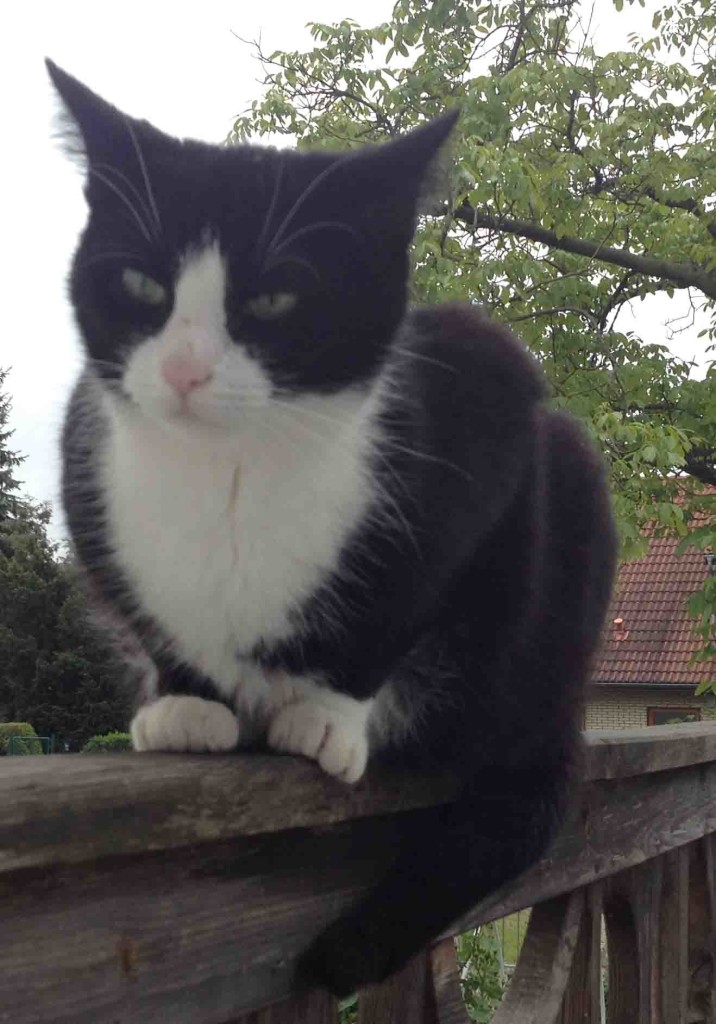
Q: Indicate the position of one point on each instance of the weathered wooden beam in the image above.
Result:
(201, 934)
(70, 809)
(614, 825)
(176, 915)
(620, 753)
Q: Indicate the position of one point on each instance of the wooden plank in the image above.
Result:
(709, 848)
(622, 753)
(702, 940)
(62, 809)
(406, 997)
(308, 1008)
(674, 937)
(445, 974)
(645, 882)
(69, 809)
(200, 934)
(537, 988)
(596, 909)
(623, 987)
(582, 1004)
(616, 825)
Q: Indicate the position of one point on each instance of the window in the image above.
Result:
(672, 716)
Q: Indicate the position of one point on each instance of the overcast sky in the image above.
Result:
(180, 66)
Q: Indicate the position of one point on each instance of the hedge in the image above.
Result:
(10, 729)
(111, 741)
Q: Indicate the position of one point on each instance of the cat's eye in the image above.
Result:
(271, 305)
(143, 288)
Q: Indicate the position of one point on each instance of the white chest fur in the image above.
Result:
(221, 538)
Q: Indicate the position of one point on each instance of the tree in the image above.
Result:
(9, 459)
(55, 671)
(583, 183)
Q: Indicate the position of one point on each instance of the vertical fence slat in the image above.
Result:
(674, 937)
(309, 1008)
(406, 998)
(646, 885)
(709, 846)
(582, 998)
(702, 922)
(445, 975)
(538, 984)
(623, 987)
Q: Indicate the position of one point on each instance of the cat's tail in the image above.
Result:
(483, 841)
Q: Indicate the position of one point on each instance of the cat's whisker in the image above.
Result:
(418, 357)
(298, 260)
(384, 492)
(272, 206)
(110, 168)
(101, 257)
(389, 443)
(307, 192)
(145, 175)
(125, 199)
(378, 450)
(323, 225)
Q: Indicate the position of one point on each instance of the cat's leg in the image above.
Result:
(328, 727)
(179, 722)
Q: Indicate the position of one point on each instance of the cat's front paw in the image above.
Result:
(184, 723)
(334, 737)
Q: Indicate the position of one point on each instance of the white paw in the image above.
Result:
(184, 723)
(335, 737)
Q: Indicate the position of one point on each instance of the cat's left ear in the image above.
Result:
(91, 128)
(402, 178)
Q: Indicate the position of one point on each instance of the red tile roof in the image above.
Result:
(654, 641)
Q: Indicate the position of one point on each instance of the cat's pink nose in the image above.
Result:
(185, 373)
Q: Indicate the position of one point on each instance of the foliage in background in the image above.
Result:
(583, 184)
(10, 729)
(481, 976)
(109, 743)
(55, 670)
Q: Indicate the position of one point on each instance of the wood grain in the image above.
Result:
(146, 889)
(674, 938)
(70, 809)
(537, 987)
(613, 825)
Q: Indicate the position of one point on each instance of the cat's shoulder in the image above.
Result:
(478, 353)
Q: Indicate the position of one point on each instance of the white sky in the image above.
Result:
(180, 66)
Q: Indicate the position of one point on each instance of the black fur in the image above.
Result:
(485, 611)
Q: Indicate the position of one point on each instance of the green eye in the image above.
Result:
(143, 288)
(271, 305)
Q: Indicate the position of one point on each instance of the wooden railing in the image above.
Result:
(180, 889)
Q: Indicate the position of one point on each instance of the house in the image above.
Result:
(643, 674)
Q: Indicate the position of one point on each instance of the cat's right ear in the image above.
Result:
(89, 127)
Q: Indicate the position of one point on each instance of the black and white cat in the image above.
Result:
(322, 520)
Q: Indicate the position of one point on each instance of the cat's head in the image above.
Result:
(209, 279)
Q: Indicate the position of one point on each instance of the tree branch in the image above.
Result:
(681, 275)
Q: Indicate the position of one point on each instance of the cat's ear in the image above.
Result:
(91, 129)
(406, 176)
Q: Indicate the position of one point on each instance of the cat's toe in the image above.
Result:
(325, 735)
(344, 754)
(184, 723)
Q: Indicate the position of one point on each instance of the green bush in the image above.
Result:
(108, 743)
(10, 729)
